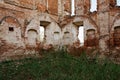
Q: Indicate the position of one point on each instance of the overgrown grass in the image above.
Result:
(59, 66)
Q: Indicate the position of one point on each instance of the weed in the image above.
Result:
(59, 65)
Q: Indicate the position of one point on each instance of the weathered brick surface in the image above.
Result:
(53, 6)
(20, 21)
(67, 6)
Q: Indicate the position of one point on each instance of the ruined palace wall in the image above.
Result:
(20, 22)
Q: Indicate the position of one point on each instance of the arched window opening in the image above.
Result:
(81, 35)
(93, 5)
(117, 36)
(42, 33)
(118, 2)
(72, 7)
(11, 29)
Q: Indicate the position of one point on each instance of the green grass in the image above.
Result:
(59, 66)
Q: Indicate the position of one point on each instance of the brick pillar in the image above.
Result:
(60, 8)
(87, 6)
(53, 6)
(103, 5)
(79, 7)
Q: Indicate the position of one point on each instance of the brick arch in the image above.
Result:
(91, 38)
(112, 29)
(32, 37)
(71, 19)
(45, 15)
(11, 28)
(90, 20)
(51, 27)
(45, 18)
(32, 30)
(14, 20)
(80, 18)
(116, 18)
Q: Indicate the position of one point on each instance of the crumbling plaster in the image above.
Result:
(61, 29)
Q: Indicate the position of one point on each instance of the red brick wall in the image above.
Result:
(53, 6)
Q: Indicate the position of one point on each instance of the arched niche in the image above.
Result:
(85, 21)
(115, 22)
(67, 37)
(114, 29)
(32, 37)
(90, 33)
(10, 29)
(91, 38)
(56, 35)
(116, 36)
(69, 32)
(90, 30)
(52, 31)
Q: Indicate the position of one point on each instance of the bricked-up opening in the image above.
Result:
(66, 34)
(117, 36)
(42, 33)
(93, 6)
(91, 42)
(118, 2)
(11, 29)
(32, 37)
(56, 35)
(81, 35)
(66, 38)
(72, 7)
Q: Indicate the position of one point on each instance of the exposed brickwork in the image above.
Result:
(53, 6)
(20, 21)
(67, 6)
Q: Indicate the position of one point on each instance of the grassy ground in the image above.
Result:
(59, 66)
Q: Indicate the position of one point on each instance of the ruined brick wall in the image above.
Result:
(20, 21)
